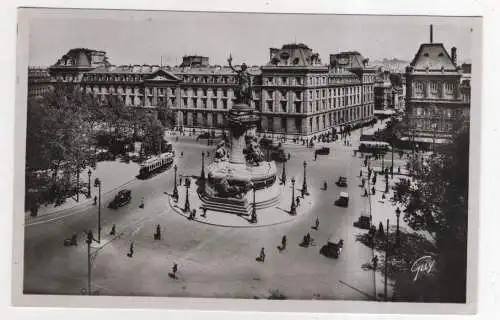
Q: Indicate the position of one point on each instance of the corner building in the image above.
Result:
(295, 94)
(437, 94)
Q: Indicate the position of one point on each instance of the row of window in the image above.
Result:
(435, 88)
(282, 124)
(309, 81)
(439, 112)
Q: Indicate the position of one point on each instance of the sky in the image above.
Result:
(149, 37)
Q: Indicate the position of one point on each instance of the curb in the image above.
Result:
(54, 215)
(178, 211)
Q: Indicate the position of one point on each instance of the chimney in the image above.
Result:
(454, 55)
(431, 33)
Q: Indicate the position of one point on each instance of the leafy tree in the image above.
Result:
(437, 201)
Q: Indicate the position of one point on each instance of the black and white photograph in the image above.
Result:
(249, 156)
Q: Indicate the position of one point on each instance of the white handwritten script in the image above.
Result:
(422, 264)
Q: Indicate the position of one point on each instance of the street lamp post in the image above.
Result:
(254, 206)
(88, 188)
(98, 183)
(293, 208)
(283, 174)
(398, 213)
(175, 193)
(187, 206)
(304, 184)
(89, 240)
(203, 166)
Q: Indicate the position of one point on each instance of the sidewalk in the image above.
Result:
(113, 175)
(381, 210)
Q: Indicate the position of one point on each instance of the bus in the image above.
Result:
(374, 146)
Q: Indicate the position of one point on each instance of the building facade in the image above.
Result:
(383, 92)
(39, 82)
(435, 96)
(294, 93)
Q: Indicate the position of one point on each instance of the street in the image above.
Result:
(213, 261)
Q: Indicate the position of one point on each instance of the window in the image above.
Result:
(270, 123)
(283, 124)
(434, 87)
(298, 124)
(283, 106)
(297, 106)
(298, 80)
(283, 80)
(224, 93)
(419, 88)
(224, 104)
(270, 106)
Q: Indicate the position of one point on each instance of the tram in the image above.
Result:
(155, 165)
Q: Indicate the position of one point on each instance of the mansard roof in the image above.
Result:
(294, 55)
(433, 57)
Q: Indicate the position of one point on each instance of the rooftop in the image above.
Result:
(432, 57)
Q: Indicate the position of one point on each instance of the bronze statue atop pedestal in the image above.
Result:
(244, 91)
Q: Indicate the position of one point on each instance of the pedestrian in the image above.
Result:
(262, 255)
(131, 250)
(315, 156)
(366, 193)
(399, 169)
(383, 196)
(360, 172)
(142, 203)
(95, 200)
(375, 262)
(363, 181)
(289, 156)
(373, 190)
(325, 185)
(174, 269)
(204, 214)
(182, 154)
(381, 230)
(316, 224)
(374, 179)
(297, 201)
(113, 230)
(157, 235)
(283, 242)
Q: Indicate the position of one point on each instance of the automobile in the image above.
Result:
(343, 200)
(278, 155)
(204, 135)
(323, 151)
(332, 248)
(121, 198)
(364, 221)
(341, 182)
(266, 142)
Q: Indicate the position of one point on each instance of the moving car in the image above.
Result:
(341, 182)
(332, 248)
(323, 151)
(343, 200)
(122, 198)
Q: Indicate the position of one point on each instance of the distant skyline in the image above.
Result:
(145, 37)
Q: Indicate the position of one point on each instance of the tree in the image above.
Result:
(166, 115)
(437, 201)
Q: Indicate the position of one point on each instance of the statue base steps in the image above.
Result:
(264, 198)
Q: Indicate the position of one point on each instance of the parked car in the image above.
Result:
(343, 200)
(122, 198)
(364, 222)
(323, 151)
(341, 182)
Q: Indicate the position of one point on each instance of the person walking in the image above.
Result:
(297, 201)
(316, 224)
(130, 253)
(375, 262)
(113, 230)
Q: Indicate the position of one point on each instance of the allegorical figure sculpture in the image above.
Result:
(220, 153)
(244, 90)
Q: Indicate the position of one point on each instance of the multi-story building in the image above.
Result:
(383, 91)
(295, 94)
(38, 81)
(435, 94)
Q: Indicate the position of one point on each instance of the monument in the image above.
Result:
(233, 174)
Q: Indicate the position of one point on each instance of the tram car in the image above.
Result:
(155, 165)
